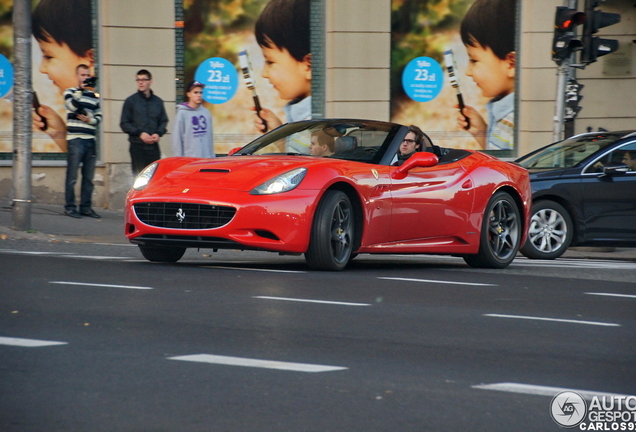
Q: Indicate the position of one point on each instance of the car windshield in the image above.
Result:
(361, 141)
(567, 153)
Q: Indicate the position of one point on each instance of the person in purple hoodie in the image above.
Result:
(192, 128)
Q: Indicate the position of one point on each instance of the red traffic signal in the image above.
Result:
(565, 41)
(566, 19)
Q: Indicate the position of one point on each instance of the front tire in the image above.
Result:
(332, 233)
(162, 254)
(550, 232)
(500, 234)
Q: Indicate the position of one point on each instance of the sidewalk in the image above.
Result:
(49, 223)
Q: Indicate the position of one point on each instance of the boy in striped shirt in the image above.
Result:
(83, 116)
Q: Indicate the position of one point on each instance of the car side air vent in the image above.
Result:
(215, 170)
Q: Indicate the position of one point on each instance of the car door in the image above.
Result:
(431, 202)
(609, 201)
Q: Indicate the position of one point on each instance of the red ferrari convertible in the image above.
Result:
(277, 194)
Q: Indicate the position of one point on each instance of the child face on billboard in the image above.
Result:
(494, 76)
(59, 63)
(290, 77)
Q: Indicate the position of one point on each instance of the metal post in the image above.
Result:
(565, 71)
(22, 97)
(568, 126)
(562, 77)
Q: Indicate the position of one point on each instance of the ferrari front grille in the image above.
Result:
(184, 215)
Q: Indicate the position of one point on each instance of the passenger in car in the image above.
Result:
(322, 144)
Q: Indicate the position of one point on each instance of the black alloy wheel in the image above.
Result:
(332, 233)
(500, 234)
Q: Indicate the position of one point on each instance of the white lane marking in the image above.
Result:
(255, 269)
(29, 343)
(603, 264)
(612, 295)
(97, 257)
(553, 320)
(542, 390)
(65, 255)
(101, 285)
(247, 362)
(312, 301)
(561, 262)
(34, 252)
(436, 281)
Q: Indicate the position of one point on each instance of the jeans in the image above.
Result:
(80, 151)
(143, 155)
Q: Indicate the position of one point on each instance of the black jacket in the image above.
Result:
(143, 114)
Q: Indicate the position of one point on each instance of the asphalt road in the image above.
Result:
(93, 338)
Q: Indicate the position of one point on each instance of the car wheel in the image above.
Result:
(162, 254)
(550, 232)
(500, 234)
(332, 233)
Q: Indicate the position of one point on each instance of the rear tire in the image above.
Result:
(550, 232)
(162, 254)
(332, 233)
(500, 234)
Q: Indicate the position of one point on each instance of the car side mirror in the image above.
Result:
(615, 169)
(418, 160)
(234, 150)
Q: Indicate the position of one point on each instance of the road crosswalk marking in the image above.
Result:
(542, 390)
(256, 363)
(254, 269)
(101, 285)
(553, 320)
(436, 281)
(312, 301)
(612, 295)
(29, 343)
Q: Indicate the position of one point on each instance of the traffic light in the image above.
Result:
(565, 41)
(594, 47)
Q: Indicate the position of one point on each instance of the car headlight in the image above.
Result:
(282, 183)
(145, 176)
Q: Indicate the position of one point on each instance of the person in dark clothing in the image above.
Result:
(144, 119)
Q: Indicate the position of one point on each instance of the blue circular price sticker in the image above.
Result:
(220, 78)
(423, 79)
(6, 76)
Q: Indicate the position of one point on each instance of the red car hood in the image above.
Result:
(242, 173)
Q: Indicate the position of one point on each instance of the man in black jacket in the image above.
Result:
(144, 119)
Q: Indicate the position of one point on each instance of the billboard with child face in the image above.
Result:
(453, 71)
(63, 38)
(253, 56)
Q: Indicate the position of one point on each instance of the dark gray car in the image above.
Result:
(584, 193)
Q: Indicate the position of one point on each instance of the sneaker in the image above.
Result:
(90, 213)
(72, 213)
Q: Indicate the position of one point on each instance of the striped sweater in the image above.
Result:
(76, 102)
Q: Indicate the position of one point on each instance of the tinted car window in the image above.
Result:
(356, 141)
(567, 153)
(625, 155)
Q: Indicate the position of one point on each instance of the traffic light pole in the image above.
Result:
(565, 71)
(22, 95)
(559, 115)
